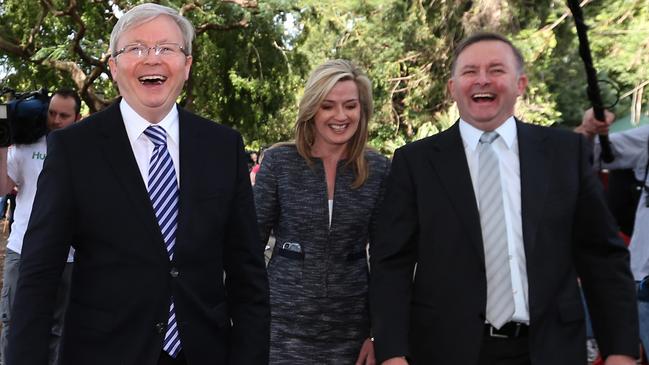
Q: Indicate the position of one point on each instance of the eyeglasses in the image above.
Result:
(137, 50)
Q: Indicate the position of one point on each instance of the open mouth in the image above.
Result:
(339, 127)
(152, 79)
(483, 97)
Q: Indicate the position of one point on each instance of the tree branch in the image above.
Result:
(243, 23)
(187, 8)
(13, 48)
(248, 4)
(82, 82)
(626, 94)
(288, 63)
(92, 99)
(48, 4)
(72, 11)
(564, 16)
(36, 27)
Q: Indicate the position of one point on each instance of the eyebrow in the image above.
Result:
(344, 101)
(473, 67)
(140, 41)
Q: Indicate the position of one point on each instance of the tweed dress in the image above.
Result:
(318, 293)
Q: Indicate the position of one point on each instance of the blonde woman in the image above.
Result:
(319, 196)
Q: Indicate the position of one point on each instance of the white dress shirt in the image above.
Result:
(142, 145)
(506, 148)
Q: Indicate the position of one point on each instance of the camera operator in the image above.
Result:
(20, 166)
(631, 151)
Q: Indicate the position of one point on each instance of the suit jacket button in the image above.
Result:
(160, 327)
(174, 272)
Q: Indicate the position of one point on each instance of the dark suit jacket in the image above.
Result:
(91, 193)
(430, 218)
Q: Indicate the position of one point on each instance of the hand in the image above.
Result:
(619, 360)
(366, 356)
(590, 126)
(6, 184)
(395, 361)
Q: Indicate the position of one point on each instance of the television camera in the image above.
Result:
(23, 119)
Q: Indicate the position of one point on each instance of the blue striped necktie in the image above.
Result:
(163, 192)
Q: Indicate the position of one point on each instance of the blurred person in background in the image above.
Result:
(20, 166)
(631, 151)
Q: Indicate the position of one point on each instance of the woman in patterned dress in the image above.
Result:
(319, 196)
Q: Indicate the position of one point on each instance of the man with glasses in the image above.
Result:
(158, 204)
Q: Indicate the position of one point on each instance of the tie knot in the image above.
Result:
(156, 134)
(488, 137)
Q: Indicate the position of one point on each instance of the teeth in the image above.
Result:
(484, 95)
(338, 127)
(152, 78)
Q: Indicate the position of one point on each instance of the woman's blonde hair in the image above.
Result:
(320, 83)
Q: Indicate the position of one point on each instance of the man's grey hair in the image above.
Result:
(145, 13)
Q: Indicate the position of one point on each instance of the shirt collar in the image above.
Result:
(135, 124)
(471, 135)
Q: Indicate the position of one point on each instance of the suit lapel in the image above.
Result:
(119, 154)
(190, 156)
(449, 162)
(534, 167)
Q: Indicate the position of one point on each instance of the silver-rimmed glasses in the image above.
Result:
(138, 50)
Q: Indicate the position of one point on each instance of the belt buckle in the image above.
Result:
(517, 332)
(496, 335)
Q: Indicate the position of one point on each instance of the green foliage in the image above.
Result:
(244, 77)
(396, 43)
(251, 59)
(621, 44)
(243, 74)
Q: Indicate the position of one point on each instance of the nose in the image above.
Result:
(340, 113)
(483, 77)
(151, 56)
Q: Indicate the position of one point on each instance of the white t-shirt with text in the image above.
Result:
(24, 164)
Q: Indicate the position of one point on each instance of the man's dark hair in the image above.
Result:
(487, 36)
(69, 93)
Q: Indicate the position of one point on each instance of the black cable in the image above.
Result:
(594, 93)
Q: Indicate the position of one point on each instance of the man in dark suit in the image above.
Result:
(486, 228)
(157, 201)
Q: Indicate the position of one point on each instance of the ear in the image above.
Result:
(450, 87)
(521, 84)
(112, 66)
(188, 66)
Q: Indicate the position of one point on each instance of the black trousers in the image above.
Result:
(504, 351)
(165, 359)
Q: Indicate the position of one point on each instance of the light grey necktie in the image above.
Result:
(500, 297)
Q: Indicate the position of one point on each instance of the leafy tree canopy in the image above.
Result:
(251, 57)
